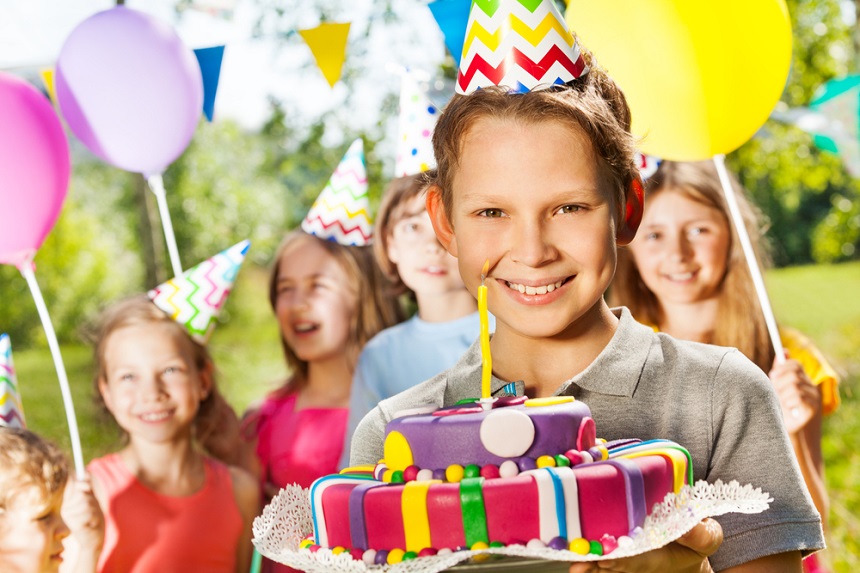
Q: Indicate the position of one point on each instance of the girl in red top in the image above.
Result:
(168, 507)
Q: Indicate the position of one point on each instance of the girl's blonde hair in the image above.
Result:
(376, 309)
(740, 320)
(32, 470)
(139, 310)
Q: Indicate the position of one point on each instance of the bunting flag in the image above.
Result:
(328, 45)
(341, 213)
(452, 17)
(47, 75)
(196, 298)
(839, 102)
(647, 164)
(519, 44)
(417, 120)
(11, 409)
(210, 66)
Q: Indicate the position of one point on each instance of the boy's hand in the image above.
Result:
(688, 554)
(799, 399)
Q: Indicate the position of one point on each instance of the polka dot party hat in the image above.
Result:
(341, 213)
(519, 44)
(196, 298)
(11, 409)
(417, 120)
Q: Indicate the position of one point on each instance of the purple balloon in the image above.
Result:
(129, 89)
(34, 169)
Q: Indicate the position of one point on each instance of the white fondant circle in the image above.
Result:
(507, 433)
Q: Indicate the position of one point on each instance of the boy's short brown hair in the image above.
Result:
(592, 103)
(32, 470)
(392, 210)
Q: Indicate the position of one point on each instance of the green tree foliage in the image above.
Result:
(810, 200)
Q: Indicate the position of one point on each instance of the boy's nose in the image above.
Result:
(531, 245)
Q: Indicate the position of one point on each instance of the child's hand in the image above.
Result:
(688, 554)
(83, 515)
(799, 399)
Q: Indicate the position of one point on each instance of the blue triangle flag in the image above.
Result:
(452, 17)
(210, 65)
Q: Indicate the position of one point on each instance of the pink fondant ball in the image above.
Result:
(410, 473)
(490, 471)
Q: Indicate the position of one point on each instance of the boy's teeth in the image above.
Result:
(533, 290)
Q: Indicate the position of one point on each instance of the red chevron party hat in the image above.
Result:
(519, 44)
(196, 298)
(341, 213)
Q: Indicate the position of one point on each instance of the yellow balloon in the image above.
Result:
(701, 77)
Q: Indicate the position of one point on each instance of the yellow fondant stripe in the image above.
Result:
(416, 522)
(679, 463)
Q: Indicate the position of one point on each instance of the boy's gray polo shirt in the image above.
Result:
(711, 400)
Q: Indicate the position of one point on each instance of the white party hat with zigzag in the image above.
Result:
(341, 213)
(519, 44)
(417, 119)
(196, 298)
(11, 409)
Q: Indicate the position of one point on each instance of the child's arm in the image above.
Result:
(247, 495)
(82, 514)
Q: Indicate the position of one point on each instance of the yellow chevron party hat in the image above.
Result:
(417, 120)
(341, 213)
(519, 44)
(195, 299)
(11, 409)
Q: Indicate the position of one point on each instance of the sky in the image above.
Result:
(32, 34)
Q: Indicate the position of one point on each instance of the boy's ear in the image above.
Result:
(634, 208)
(439, 219)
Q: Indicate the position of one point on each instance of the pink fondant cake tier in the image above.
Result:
(533, 474)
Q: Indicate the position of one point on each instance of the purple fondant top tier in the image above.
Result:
(494, 436)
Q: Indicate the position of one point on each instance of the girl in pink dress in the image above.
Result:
(167, 506)
(329, 301)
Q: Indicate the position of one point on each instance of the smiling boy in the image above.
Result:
(544, 185)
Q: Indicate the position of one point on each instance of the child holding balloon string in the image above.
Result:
(686, 275)
(169, 507)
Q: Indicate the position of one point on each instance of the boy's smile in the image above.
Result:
(528, 196)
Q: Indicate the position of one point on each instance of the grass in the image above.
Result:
(822, 301)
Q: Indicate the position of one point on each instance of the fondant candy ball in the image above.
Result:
(545, 462)
(478, 545)
(386, 476)
(424, 475)
(625, 542)
(369, 557)
(409, 556)
(471, 471)
(586, 458)
(561, 461)
(338, 550)
(397, 476)
(580, 545)
(526, 464)
(444, 551)
(439, 474)
(410, 473)
(557, 543)
(427, 552)
(395, 556)
(313, 548)
(595, 548)
(305, 543)
(535, 544)
(609, 543)
(490, 471)
(496, 544)
(509, 469)
(381, 557)
(574, 457)
(454, 473)
(507, 433)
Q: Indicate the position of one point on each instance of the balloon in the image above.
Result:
(129, 89)
(700, 76)
(34, 169)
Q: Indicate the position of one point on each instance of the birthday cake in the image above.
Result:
(517, 471)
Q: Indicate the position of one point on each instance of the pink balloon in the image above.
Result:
(34, 169)
(129, 89)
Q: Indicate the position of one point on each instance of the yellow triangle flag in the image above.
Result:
(48, 79)
(328, 45)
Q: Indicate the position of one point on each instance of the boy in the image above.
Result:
(543, 184)
(33, 477)
(446, 321)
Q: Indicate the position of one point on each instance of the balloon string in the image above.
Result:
(749, 255)
(27, 270)
(156, 184)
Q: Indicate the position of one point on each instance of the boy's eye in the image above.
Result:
(491, 213)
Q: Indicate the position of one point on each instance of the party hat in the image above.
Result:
(518, 44)
(647, 164)
(195, 298)
(11, 410)
(342, 211)
(417, 120)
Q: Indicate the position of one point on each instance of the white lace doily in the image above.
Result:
(286, 521)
